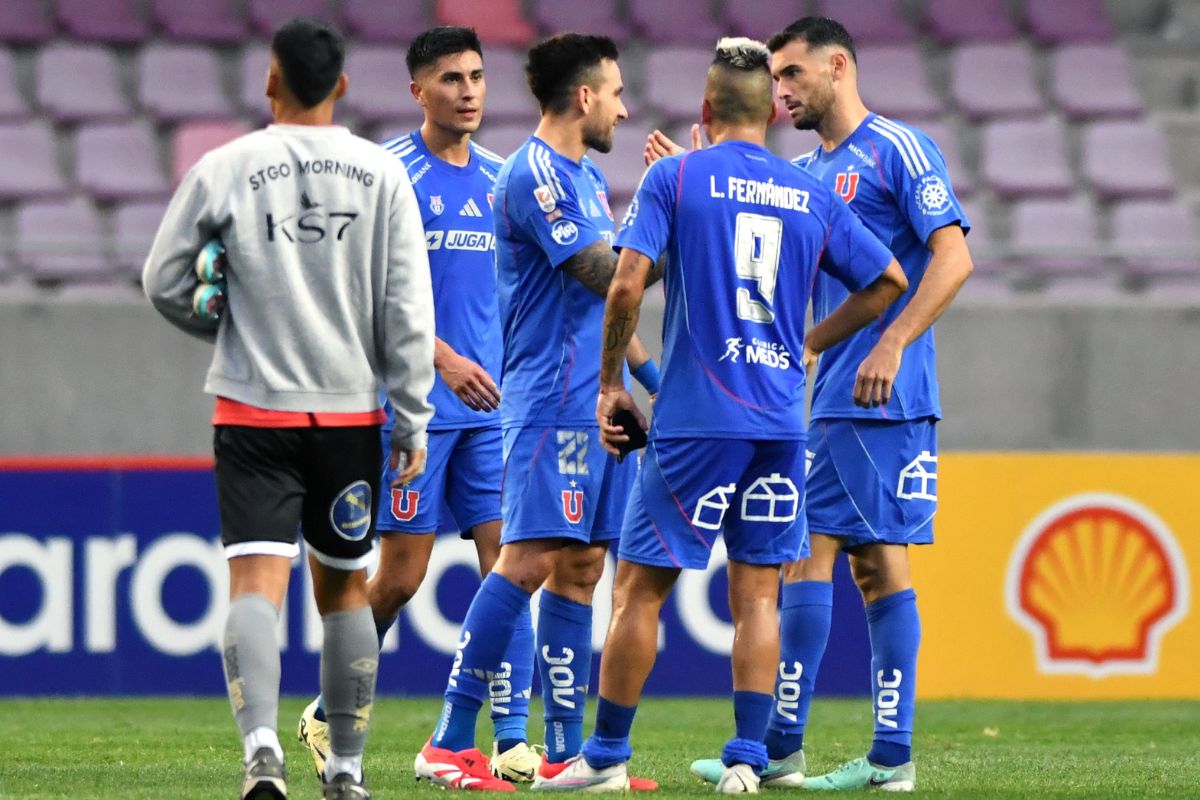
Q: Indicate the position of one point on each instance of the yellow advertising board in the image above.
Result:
(1061, 576)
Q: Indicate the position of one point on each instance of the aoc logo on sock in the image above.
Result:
(1098, 580)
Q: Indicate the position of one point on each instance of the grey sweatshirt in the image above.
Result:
(328, 283)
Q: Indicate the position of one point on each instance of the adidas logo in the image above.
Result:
(470, 209)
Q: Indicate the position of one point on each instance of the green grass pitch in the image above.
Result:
(174, 748)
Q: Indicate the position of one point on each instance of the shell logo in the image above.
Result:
(1098, 580)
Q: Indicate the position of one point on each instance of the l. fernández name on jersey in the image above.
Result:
(745, 234)
(456, 210)
(894, 179)
(549, 208)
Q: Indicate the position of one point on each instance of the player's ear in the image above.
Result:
(839, 65)
(343, 84)
(273, 80)
(584, 97)
(415, 90)
(706, 113)
(774, 115)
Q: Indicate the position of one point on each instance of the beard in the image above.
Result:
(815, 111)
(598, 137)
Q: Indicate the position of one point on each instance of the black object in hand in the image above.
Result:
(629, 425)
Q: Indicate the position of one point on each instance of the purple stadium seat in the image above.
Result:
(496, 21)
(396, 22)
(1127, 159)
(80, 83)
(36, 173)
(892, 82)
(113, 21)
(1172, 290)
(508, 96)
(947, 141)
(1082, 290)
(12, 104)
(1054, 21)
(193, 139)
(663, 21)
(60, 240)
(252, 74)
(1056, 237)
(179, 82)
(267, 15)
(134, 227)
(378, 83)
(1093, 80)
(673, 80)
(1026, 157)
(504, 139)
(392, 127)
(979, 92)
(985, 250)
(596, 16)
(215, 21)
(760, 19)
(25, 22)
(984, 289)
(969, 20)
(623, 167)
(869, 21)
(119, 161)
(1156, 237)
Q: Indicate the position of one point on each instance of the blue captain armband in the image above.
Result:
(648, 376)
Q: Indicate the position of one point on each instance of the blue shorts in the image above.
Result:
(690, 491)
(561, 483)
(459, 489)
(873, 481)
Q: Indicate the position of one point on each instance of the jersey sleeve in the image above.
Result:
(647, 224)
(852, 254)
(552, 216)
(921, 184)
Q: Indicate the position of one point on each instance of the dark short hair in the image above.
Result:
(311, 55)
(561, 64)
(815, 32)
(434, 43)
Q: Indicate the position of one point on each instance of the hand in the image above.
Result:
(470, 382)
(414, 465)
(877, 372)
(659, 145)
(809, 359)
(610, 402)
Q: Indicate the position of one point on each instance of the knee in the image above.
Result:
(393, 590)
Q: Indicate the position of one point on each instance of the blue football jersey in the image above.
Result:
(548, 208)
(456, 210)
(894, 179)
(746, 234)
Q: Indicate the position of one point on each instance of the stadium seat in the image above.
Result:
(134, 227)
(952, 21)
(760, 19)
(267, 15)
(192, 140)
(892, 82)
(119, 161)
(623, 167)
(505, 138)
(36, 173)
(214, 21)
(1082, 290)
(496, 21)
(1093, 80)
(26, 22)
(1055, 21)
(1056, 236)
(947, 141)
(378, 83)
(79, 82)
(1156, 238)
(61, 240)
(1127, 159)
(112, 21)
(975, 86)
(396, 22)
(985, 250)
(595, 16)
(661, 21)
(12, 104)
(673, 80)
(178, 82)
(1026, 157)
(868, 21)
(508, 96)
(252, 77)
(985, 289)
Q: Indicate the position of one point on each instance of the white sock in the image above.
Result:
(261, 737)
(335, 765)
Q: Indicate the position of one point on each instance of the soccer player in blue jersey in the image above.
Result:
(872, 490)
(454, 180)
(745, 234)
(562, 498)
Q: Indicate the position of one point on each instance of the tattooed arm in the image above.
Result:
(621, 315)
(595, 265)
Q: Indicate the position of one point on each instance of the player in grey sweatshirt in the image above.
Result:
(328, 298)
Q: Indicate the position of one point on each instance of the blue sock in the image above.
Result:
(510, 694)
(804, 620)
(609, 744)
(486, 634)
(750, 712)
(564, 657)
(895, 629)
(380, 629)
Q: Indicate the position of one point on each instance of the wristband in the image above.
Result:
(648, 376)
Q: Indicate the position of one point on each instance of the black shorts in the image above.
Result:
(321, 482)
